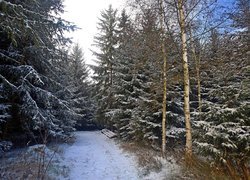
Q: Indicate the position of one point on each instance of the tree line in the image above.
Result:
(176, 73)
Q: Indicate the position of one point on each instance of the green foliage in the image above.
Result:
(223, 132)
(79, 86)
(106, 41)
(29, 72)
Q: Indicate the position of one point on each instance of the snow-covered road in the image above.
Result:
(93, 156)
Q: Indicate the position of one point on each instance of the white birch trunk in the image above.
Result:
(186, 78)
(164, 100)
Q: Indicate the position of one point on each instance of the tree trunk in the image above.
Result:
(197, 68)
(164, 100)
(186, 79)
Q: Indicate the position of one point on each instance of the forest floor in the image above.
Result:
(95, 156)
(89, 156)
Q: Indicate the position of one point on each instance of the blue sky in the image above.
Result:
(85, 15)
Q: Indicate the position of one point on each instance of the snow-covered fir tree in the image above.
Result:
(31, 33)
(106, 42)
(124, 102)
(147, 79)
(225, 121)
(79, 85)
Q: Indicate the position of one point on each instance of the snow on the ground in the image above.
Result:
(93, 156)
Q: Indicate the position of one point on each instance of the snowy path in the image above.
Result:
(93, 156)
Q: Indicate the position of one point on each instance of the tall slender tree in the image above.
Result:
(122, 110)
(182, 23)
(106, 42)
(164, 55)
(79, 86)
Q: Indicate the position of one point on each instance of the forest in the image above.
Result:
(169, 75)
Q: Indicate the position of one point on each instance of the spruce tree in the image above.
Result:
(106, 42)
(79, 86)
(147, 80)
(121, 112)
(225, 117)
(31, 33)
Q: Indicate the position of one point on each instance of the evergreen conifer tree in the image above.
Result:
(106, 42)
(31, 33)
(79, 86)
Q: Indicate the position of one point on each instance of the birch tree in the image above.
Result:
(164, 55)
(182, 23)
